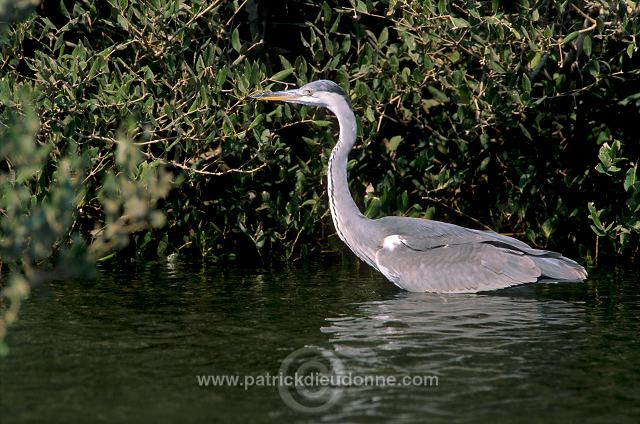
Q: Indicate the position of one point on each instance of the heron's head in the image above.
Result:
(322, 93)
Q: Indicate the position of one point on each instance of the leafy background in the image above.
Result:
(127, 130)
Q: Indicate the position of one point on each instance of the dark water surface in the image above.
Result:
(129, 347)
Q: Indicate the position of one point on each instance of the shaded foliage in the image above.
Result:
(41, 195)
(484, 113)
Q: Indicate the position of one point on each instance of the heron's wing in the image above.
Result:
(457, 268)
(425, 255)
(423, 234)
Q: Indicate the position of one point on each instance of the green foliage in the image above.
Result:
(41, 196)
(626, 209)
(483, 113)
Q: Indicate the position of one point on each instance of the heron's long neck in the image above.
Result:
(343, 208)
(349, 222)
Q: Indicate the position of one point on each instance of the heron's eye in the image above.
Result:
(307, 92)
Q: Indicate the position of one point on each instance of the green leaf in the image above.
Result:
(630, 179)
(393, 144)
(256, 121)
(535, 15)
(525, 131)
(526, 84)
(437, 94)
(594, 214)
(484, 163)
(459, 22)
(548, 228)
(569, 38)
(373, 210)
(535, 60)
(383, 37)
(597, 231)
(496, 66)
(235, 40)
(368, 114)
(634, 98)
(200, 66)
(404, 201)
(279, 76)
(586, 46)
(221, 76)
(321, 123)
(605, 156)
(122, 21)
(326, 10)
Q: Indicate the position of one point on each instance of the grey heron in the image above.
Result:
(417, 254)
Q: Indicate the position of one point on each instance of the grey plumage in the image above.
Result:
(419, 254)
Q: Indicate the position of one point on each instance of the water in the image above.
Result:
(129, 347)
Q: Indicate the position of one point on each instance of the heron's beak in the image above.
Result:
(281, 96)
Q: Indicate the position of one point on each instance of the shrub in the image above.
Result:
(485, 113)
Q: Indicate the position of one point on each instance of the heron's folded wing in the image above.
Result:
(423, 234)
(458, 268)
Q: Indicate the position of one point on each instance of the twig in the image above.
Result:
(203, 172)
(458, 211)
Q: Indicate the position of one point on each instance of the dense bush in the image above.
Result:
(40, 200)
(516, 116)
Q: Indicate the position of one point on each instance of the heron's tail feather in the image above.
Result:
(559, 268)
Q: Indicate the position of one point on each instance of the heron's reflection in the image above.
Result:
(442, 331)
(477, 345)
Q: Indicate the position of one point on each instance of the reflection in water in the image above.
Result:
(493, 355)
(417, 321)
